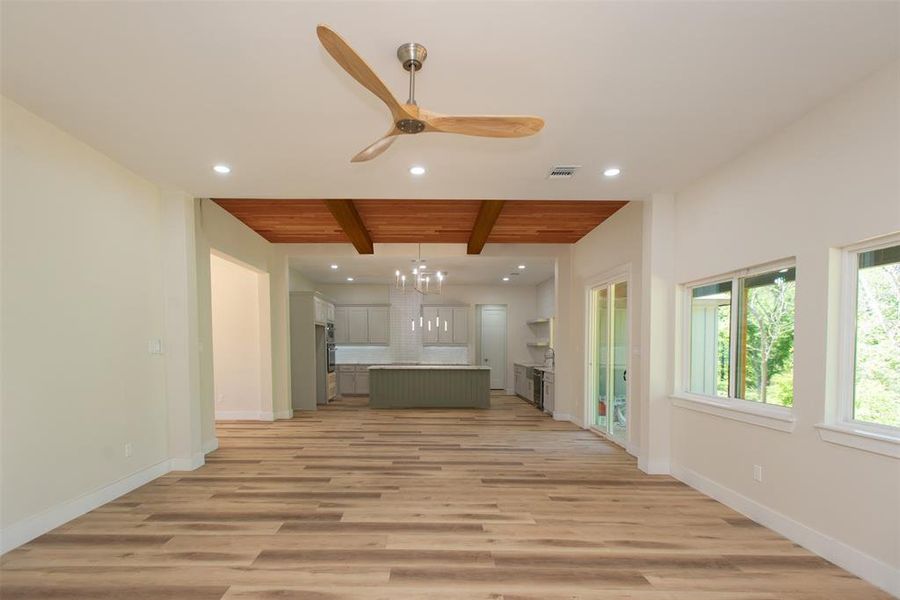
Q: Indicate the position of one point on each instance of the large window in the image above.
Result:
(875, 397)
(741, 337)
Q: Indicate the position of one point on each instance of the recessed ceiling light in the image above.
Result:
(506, 279)
(222, 169)
(349, 279)
(521, 266)
(612, 172)
(334, 267)
(417, 170)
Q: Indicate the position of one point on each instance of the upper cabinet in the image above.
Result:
(445, 325)
(362, 325)
(341, 325)
(323, 311)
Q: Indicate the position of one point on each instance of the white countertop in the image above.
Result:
(431, 367)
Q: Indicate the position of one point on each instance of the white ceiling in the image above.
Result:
(666, 90)
(460, 269)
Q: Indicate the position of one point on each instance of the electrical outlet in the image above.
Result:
(128, 450)
(154, 346)
(757, 473)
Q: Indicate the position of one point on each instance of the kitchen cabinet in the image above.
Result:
(379, 319)
(341, 325)
(358, 325)
(548, 392)
(449, 325)
(362, 325)
(323, 311)
(353, 380)
(523, 382)
(460, 325)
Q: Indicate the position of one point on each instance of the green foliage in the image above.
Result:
(770, 343)
(877, 389)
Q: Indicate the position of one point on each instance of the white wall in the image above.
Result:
(218, 230)
(614, 244)
(828, 180)
(82, 295)
(237, 334)
(546, 298)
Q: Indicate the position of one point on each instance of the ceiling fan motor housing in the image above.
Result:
(412, 55)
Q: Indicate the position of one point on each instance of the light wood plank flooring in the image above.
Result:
(352, 503)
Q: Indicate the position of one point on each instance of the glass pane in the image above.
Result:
(766, 342)
(601, 352)
(619, 425)
(876, 395)
(711, 339)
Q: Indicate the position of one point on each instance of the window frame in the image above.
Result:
(842, 416)
(773, 416)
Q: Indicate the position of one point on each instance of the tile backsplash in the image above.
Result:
(406, 344)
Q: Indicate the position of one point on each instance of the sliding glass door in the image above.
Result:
(608, 360)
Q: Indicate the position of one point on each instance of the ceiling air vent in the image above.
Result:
(562, 171)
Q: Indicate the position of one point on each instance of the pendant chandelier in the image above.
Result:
(421, 279)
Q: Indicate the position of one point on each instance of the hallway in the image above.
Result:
(349, 502)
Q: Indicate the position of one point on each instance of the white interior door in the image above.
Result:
(493, 344)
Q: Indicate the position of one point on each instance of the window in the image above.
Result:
(741, 337)
(875, 397)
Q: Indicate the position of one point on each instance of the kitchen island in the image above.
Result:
(429, 386)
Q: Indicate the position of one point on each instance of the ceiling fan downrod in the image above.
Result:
(411, 56)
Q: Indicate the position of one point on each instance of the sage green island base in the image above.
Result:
(429, 386)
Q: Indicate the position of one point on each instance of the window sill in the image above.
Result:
(854, 436)
(762, 415)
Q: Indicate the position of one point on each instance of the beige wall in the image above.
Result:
(829, 180)
(82, 287)
(239, 298)
(219, 231)
(614, 245)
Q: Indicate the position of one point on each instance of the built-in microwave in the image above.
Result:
(329, 333)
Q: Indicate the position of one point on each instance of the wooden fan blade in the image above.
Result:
(375, 149)
(353, 63)
(507, 126)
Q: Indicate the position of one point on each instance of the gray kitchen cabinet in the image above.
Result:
(429, 330)
(346, 383)
(460, 325)
(358, 325)
(362, 325)
(379, 322)
(353, 380)
(341, 325)
(362, 380)
(445, 325)
(449, 325)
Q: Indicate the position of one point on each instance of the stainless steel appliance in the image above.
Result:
(538, 380)
(329, 347)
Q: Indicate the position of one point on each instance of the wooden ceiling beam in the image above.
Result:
(348, 218)
(484, 223)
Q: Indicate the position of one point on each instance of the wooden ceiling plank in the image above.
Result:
(348, 218)
(484, 223)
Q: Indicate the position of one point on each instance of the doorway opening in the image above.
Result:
(491, 340)
(608, 359)
(241, 339)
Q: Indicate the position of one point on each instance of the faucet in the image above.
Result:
(549, 358)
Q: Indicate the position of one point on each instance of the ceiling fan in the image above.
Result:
(408, 118)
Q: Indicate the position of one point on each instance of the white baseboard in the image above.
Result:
(210, 445)
(244, 415)
(29, 528)
(285, 414)
(560, 416)
(187, 464)
(860, 564)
